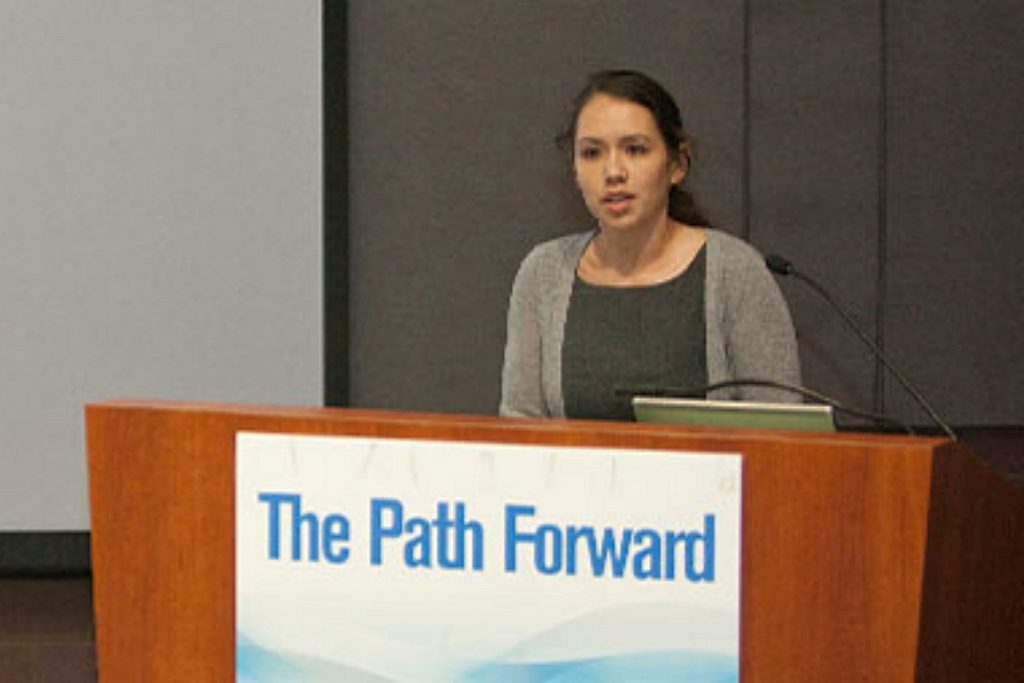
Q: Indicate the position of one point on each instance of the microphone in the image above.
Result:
(780, 265)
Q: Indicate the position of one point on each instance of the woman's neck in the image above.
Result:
(640, 257)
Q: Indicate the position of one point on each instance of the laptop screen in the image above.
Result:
(684, 411)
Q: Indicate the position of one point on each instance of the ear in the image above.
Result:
(681, 165)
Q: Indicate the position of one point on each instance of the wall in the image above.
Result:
(871, 142)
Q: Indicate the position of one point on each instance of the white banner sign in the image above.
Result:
(404, 560)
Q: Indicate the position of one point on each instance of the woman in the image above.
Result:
(652, 296)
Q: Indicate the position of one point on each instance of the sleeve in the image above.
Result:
(760, 340)
(521, 389)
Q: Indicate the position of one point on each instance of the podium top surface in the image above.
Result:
(492, 427)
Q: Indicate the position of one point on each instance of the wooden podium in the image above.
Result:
(865, 557)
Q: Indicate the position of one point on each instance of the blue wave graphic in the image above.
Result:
(649, 667)
(255, 664)
(646, 642)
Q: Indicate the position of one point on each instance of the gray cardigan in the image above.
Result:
(749, 331)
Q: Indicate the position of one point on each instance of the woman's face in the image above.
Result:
(622, 165)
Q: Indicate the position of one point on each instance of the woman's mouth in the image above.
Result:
(617, 202)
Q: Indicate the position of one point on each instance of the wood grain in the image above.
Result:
(836, 534)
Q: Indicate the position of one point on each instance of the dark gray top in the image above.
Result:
(749, 333)
(622, 337)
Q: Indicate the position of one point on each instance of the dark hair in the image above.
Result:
(641, 89)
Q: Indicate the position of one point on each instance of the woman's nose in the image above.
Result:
(614, 170)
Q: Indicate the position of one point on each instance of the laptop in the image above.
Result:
(709, 413)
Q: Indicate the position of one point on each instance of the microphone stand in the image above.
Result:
(783, 266)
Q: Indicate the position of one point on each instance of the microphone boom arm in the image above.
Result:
(782, 266)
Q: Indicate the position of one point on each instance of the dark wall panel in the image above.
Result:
(814, 174)
(454, 176)
(874, 143)
(955, 311)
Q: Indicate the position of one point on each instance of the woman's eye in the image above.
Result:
(589, 153)
(636, 150)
